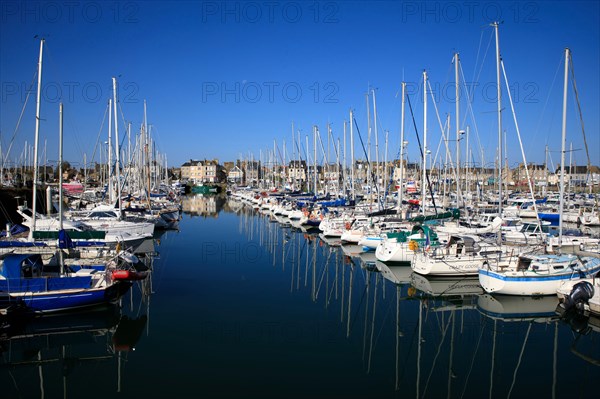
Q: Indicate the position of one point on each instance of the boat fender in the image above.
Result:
(580, 295)
(413, 245)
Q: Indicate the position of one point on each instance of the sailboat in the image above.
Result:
(54, 286)
(539, 274)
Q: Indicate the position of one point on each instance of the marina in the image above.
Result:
(294, 316)
(390, 234)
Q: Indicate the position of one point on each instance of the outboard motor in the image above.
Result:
(580, 295)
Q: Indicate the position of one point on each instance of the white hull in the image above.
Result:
(392, 251)
(530, 282)
(446, 265)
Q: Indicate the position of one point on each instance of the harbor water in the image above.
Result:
(239, 305)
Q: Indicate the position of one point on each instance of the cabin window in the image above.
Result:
(523, 264)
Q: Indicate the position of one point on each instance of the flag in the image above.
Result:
(64, 241)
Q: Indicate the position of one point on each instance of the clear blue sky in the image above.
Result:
(227, 78)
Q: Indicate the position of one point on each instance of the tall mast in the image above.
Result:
(315, 158)
(562, 151)
(369, 159)
(400, 190)
(129, 150)
(457, 129)
(147, 147)
(376, 142)
(60, 170)
(352, 155)
(345, 168)
(499, 91)
(117, 142)
(424, 162)
(111, 193)
(37, 137)
(60, 181)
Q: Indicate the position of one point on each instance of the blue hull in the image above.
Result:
(60, 301)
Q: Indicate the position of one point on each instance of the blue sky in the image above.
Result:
(227, 78)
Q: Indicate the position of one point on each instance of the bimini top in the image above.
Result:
(20, 265)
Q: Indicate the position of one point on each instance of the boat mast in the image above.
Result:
(37, 137)
(345, 168)
(315, 160)
(60, 167)
(400, 190)
(424, 161)
(111, 193)
(60, 183)
(118, 151)
(369, 159)
(376, 145)
(562, 151)
(457, 130)
(352, 156)
(499, 91)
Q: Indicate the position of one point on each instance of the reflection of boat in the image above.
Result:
(442, 286)
(395, 274)
(30, 326)
(83, 344)
(205, 189)
(352, 249)
(510, 307)
(128, 332)
(331, 241)
(368, 257)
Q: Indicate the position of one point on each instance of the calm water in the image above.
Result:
(239, 306)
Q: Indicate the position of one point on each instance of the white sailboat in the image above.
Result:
(539, 274)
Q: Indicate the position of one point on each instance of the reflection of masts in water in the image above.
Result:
(367, 286)
(349, 300)
(451, 319)
(554, 358)
(41, 375)
(521, 353)
(397, 385)
(373, 322)
(314, 271)
(519, 361)
(343, 291)
(324, 275)
(493, 358)
(451, 353)
(419, 347)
